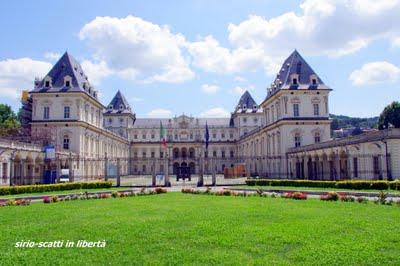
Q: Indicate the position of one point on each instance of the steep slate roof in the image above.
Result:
(117, 102)
(67, 65)
(247, 100)
(295, 64)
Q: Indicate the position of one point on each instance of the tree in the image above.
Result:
(390, 116)
(356, 131)
(8, 119)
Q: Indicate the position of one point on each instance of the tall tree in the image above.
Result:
(390, 116)
(8, 119)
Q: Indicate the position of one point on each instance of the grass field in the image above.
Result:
(177, 228)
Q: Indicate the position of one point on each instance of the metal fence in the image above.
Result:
(203, 171)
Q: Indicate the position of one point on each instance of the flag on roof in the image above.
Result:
(163, 137)
(207, 135)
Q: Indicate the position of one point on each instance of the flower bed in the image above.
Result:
(85, 196)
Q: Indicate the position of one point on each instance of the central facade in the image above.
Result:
(66, 110)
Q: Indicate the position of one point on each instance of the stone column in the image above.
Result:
(118, 173)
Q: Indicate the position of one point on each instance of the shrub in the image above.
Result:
(187, 190)
(295, 195)
(53, 187)
(259, 191)
(348, 184)
(330, 196)
(382, 197)
(105, 195)
(361, 200)
(54, 199)
(46, 199)
(160, 190)
(11, 202)
(23, 202)
(114, 194)
(345, 198)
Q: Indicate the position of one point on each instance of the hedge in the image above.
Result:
(53, 187)
(348, 184)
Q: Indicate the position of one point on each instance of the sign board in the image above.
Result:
(50, 152)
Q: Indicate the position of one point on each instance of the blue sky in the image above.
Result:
(197, 57)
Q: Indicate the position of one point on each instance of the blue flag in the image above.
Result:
(207, 135)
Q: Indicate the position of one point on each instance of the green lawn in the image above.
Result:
(177, 228)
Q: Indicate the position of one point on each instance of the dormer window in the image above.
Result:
(47, 82)
(295, 79)
(84, 86)
(244, 107)
(110, 107)
(67, 81)
(121, 107)
(313, 79)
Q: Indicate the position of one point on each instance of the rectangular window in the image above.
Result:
(67, 83)
(297, 141)
(316, 109)
(46, 112)
(214, 154)
(161, 154)
(66, 111)
(144, 154)
(296, 111)
(317, 138)
(66, 143)
(355, 167)
(223, 154)
(152, 154)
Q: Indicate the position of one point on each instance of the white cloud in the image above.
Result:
(139, 49)
(159, 113)
(215, 112)
(240, 78)
(238, 90)
(96, 71)
(396, 42)
(323, 27)
(19, 74)
(136, 99)
(375, 72)
(208, 55)
(52, 56)
(209, 89)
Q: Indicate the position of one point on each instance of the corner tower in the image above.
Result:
(119, 116)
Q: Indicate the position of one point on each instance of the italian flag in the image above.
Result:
(163, 137)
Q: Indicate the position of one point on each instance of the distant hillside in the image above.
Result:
(342, 121)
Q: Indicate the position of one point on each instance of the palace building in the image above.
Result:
(287, 135)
